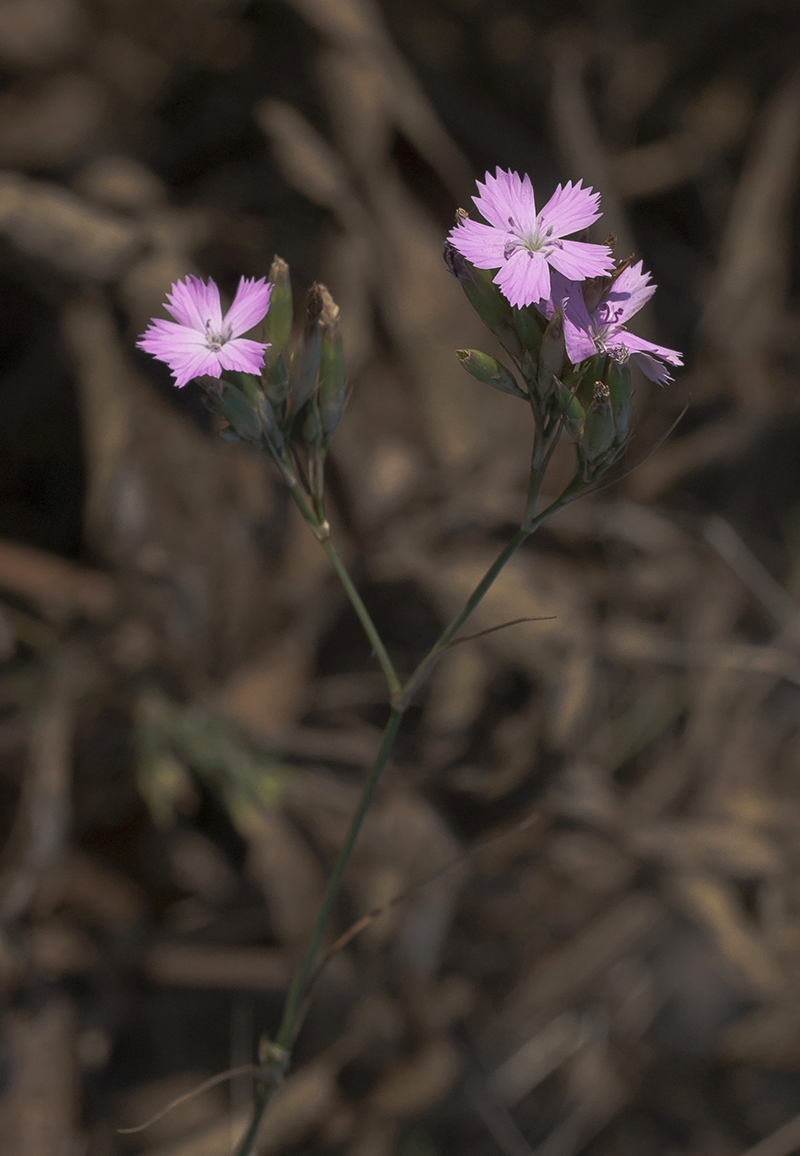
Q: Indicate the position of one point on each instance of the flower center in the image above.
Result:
(533, 240)
(216, 340)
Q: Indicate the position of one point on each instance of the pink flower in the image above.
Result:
(524, 245)
(598, 326)
(200, 340)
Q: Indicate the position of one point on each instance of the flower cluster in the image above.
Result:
(536, 265)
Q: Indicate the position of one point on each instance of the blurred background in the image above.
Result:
(610, 963)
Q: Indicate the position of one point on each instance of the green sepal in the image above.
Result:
(490, 371)
(551, 356)
(598, 428)
(234, 406)
(485, 298)
(278, 322)
(571, 408)
(529, 326)
(620, 388)
(276, 380)
(332, 376)
(245, 382)
(312, 428)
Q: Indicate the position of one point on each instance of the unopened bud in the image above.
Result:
(332, 377)
(529, 326)
(620, 391)
(484, 297)
(278, 322)
(551, 356)
(489, 370)
(572, 410)
(598, 428)
(312, 429)
(304, 381)
(234, 406)
(276, 381)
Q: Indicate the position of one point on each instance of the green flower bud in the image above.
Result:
(312, 429)
(598, 428)
(552, 354)
(276, 381)
(278, 322)
(620, 391)
(529, 326)
(489, 370)
(571, 408)
(484, 297)
(332, 377)
(304, 381)
(234, 406)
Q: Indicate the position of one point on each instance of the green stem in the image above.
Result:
(297, 991)
(319, 524)
(421, 673)
(395, 689)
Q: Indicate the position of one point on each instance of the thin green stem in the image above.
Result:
(370, 629)
(420, 674)
(319, 525)
(297, 991)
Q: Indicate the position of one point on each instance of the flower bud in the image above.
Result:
(304, 381)
(484, 297)
(489, 370)
(276, 381)
(278, 322)
(598, 428)
(551, 356)
(529, 326)
(620, 391)
(234, 406)
(572, 410)
(332, 378)
(312, 429)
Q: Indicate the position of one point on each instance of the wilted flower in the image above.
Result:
(522, 244)
(597, 325)
(200, 340)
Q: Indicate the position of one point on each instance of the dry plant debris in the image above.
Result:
(580, 886)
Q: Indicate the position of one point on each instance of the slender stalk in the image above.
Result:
(297, 991)
(371, 631)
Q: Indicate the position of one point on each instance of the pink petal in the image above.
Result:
(242, 355)
(195, 304)
(579, 259)
(631, 290)
(570, 209)
(163, 338)
(504, 196)
(481, 244)
(636, 344)
(249, 305)
(524, 278)
(187, 368)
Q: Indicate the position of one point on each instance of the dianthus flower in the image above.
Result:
(200, 340)
(595, 315)
(524, 245)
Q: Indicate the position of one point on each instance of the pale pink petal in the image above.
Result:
(631, 290)
(579, 341)
(570, 209)
(481, 244)
(195, 304)
(249, 306)
(524, 278)
(186, 368)
(163, 338)
(507, 196)
(578, 336)
(242, 355)
(637, 344)
(579, 259)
